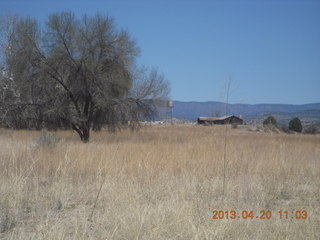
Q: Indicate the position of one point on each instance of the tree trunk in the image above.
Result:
(85, 134)
(83, 131)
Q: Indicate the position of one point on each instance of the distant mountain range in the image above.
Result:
(308, 113)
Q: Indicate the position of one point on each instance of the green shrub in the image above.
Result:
(295, 125)
(270, 121)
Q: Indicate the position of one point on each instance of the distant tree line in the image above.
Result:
(294, 124)
(71, 72)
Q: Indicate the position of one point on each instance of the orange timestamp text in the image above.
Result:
(263, 214)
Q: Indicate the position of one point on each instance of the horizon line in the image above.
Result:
(196, 101)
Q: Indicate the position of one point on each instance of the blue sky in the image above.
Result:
(270, 49)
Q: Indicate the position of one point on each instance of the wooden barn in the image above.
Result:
(220, 120)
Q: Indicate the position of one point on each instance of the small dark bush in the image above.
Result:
(295, 125)
(270, 121)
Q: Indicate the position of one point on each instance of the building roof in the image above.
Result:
(215, 118)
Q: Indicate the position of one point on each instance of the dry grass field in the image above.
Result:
(161, 182)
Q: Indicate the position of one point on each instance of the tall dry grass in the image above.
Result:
(161, 182)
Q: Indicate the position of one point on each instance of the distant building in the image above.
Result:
(220, 120)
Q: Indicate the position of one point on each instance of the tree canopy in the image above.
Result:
(77, 72)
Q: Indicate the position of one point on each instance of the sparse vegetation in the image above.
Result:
(47, 139)
(162, 182)
(312, 129)
(285, 128)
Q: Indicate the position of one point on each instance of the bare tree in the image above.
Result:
(7, 23)
(78, 72)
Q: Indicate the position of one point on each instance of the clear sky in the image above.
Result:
(270, 49)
